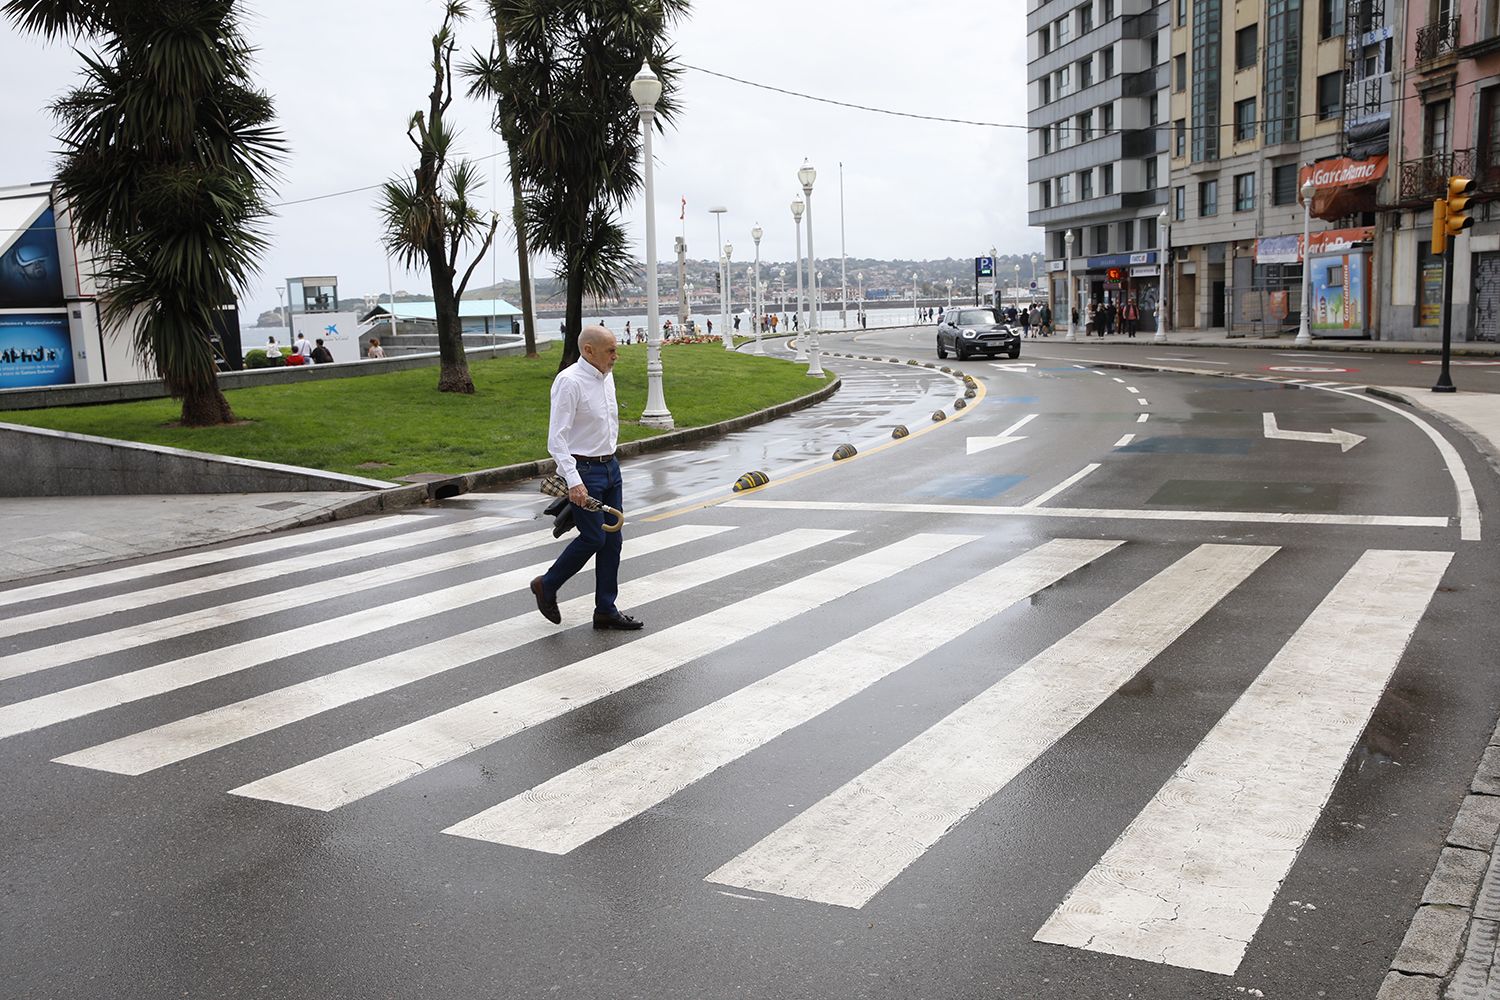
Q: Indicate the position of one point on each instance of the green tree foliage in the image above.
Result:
(168, 150)
(561, 76)
(430, 216)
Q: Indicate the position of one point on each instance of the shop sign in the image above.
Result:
(1288, 249)
(1145, 272)
(1278, 250)
(35, 350)
(1341, 172)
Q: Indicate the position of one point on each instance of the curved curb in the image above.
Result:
(1486, 446)
(482, 479)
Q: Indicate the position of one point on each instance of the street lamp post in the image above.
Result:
(950, 293)
(646, 89)
(797, 208)
(860, 277)
(1018, 286)
(724, 331)
(1304, 328)
(806, 175)
(994, 279)
(914, 319)
(718, 213)
(757, 309)
(781, 280)
(1068, 273)
(1165, 223)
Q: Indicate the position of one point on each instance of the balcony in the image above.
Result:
(1436, 40)
(1426, 178)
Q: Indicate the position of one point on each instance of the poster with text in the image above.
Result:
(30, 271)
(1338, 293)
(35, 350)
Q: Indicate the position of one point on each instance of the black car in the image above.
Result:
(973, 330)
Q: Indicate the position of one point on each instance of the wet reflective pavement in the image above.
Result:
(945, 719)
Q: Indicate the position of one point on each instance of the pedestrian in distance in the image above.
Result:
(582, 432)
(321, 355)
(374, 350)
(273, 349)
(710, 328)
(627, 332)
(736, 323)
(1023, 319)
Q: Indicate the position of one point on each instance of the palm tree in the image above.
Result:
(565, 83)
(430, 216)
(168, 150)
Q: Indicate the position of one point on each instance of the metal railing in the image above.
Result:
(1427, 177)
(1437, 39)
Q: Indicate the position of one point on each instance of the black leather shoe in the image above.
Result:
(546, 603)
(624, 623)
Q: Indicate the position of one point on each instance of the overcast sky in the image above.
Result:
(346, 75)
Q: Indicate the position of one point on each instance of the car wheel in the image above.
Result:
(959, 352)
(1015, 352)
(942, 351)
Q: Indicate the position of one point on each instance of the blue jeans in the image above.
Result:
(603, 482)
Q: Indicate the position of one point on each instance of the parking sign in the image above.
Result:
(984, 267)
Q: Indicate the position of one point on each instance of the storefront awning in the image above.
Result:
(1343, 187)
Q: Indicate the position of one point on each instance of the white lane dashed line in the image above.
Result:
(1142, 401)
(1142, 418)
(1124, 440)
(1120, 380)
(1132, 390)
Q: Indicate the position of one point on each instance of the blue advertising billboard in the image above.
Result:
(35, 350)
(30, 271)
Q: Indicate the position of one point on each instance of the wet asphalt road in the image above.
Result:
(434, 794)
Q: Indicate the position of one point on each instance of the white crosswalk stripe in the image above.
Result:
(1190, 880)
(153, 748)
(856, 841)
(105, 643)
(107, 577)
(365, 768)
(433, 531)
(111, 692)
(595, 797)
(1187, 883)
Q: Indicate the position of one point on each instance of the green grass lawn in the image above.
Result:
(402, 422)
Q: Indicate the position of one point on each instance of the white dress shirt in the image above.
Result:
(585, 417)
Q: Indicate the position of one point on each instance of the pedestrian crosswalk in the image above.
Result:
(1187, 882)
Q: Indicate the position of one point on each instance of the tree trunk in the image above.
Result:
(573, 322)
(205, 407)
(453, 368)
(523, 259)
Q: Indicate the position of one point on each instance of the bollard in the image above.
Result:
(750, 481)
(844, 451)
(899, 431)
(939, 415)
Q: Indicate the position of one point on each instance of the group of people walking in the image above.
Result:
(1107, 318)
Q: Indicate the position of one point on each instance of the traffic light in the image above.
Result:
(1448, 218)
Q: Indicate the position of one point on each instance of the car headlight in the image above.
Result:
(970, 334)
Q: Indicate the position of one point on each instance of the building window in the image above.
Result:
(1126, 237)
(1151, 177)
(1283, 73)
(1153, 51)
(1109, 10)
(1330, 94)
(1063, 78)
(1330, 18)
(1085, 185)
(1060, 31)
(1044, 40)
(1046, 141)
(1205, 97)
(1244, 192)
(1153, 109)
(1085, 73)
(1435, 128)
(1064, 195)
(1245, 41)
(1208, 198)
(1086, 19)
(1148, 233)
(1180, 146)
(1046, 193)
(1179, 203)
(1101, 239)
(1059, 246)
(1044, 90)
(1284, 184)
(1085, 126)
(1107, 60)
(1179, 73)
(1181, 13)
(1244, 120)
(1107, 117)
(1489, 130)
(1107, 178)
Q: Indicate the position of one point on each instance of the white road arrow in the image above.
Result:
(1013, 366)
(1344, 439)
(977, 444)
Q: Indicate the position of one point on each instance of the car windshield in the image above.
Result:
(979, 317)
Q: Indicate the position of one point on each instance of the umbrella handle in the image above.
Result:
(618, 515)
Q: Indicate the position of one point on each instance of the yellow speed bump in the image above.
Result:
(750, 481)
(844, 451)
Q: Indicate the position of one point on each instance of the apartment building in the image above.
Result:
(1448, 123)
(1258, 96)
(1096, 83)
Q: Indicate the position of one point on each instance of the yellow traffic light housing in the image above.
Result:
(1455, 221)
(1439, 226)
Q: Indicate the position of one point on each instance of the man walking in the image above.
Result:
(581, 435)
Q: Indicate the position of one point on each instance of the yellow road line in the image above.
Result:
(979, 394)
